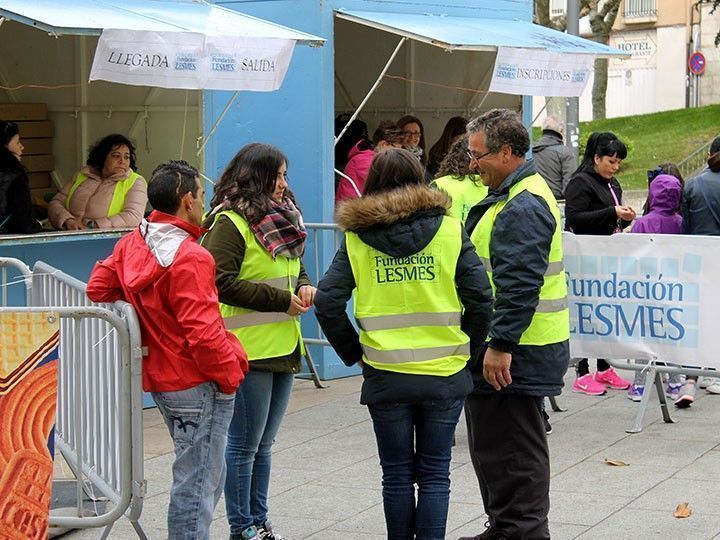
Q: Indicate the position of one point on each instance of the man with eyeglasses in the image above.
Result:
(517, 234)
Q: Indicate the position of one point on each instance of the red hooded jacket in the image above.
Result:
(170, 281)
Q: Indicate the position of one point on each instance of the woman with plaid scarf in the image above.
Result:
(257, 238)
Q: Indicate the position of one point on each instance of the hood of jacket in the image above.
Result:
(153, 250)
(664, 194)
(549, 138)
(398, 222)
(360, 147)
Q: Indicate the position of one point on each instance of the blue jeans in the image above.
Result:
(260, 404)
(415, 445)
(198, 420)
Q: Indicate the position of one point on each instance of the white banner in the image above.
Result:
(533, 72)
(643, 296)
(191, 60)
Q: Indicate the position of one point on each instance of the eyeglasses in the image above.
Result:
(475, 157)
(411, 133)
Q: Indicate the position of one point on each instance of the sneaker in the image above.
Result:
(636, 392)
(266, 532)
(672, 390)
(587, 385)
(686, 396)
(713, 388)
(546, 422)
(707, 381)
(490, 533)
(610, 378)
(251, 533)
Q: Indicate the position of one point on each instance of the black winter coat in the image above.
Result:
(589, 205)
(400, 223)
(16, 211)
(519, 253)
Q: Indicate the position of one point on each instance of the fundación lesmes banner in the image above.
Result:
(643, 296)
(190, 60)
(537, 72)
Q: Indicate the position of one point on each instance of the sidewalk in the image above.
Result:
(326, 476)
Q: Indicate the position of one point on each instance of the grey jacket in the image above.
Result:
(554, 161)
(697, 216)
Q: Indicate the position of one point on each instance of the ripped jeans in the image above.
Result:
(198, 420)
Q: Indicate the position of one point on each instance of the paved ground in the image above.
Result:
(326, 477)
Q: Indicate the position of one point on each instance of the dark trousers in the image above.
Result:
(415, 445)
(509, 452)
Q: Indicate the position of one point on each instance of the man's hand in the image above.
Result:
(496, 368)
(297, 307)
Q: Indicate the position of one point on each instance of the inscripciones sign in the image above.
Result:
(644, 296)
(192, 61)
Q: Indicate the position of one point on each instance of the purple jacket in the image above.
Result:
(664, 204)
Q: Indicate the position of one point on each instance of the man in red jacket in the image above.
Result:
(193, 365)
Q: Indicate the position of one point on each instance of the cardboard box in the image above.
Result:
(34, 147)
(23, 111)
(40, 180)
(39, 163)
(34, 130)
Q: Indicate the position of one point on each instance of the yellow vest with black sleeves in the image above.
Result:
(551, 320)
(464, 194)
(117, 203)
(263, 334)
(407, 308)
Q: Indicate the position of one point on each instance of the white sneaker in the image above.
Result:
(707, 381)
(714, 388)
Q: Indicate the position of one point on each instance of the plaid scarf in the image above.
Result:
(282, 231)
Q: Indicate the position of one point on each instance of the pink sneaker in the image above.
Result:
(610, 378)
(587, 385)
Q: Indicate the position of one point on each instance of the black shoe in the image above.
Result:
(490, 533)
(546, 422)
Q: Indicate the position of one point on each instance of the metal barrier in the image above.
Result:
(99, 416)
(695, 162)
(23, 278)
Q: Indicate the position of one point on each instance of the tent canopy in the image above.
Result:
(91, 17)
(475, 34)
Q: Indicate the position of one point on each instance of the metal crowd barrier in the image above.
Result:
(99, 414)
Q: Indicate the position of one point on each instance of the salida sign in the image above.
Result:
(193, 61)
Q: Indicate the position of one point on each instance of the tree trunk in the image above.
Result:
(542, 13)
(599, 89)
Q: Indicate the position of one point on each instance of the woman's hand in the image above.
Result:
(296, 306)
(307, 295)
(626, 213)
(73, 224)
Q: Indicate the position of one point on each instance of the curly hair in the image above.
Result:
(502, 127)
(457, 162)
(100, 150)
(249, 180)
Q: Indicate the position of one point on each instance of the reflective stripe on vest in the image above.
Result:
(464, 192)
(551, 320)
(117, 203)
(262, 334)
(407, 308)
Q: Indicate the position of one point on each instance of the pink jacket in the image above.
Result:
(91, 201)
(357, 168)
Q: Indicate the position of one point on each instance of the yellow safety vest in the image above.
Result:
(464, 194)
(117, 203)
(407, 308)
(263, 334)
(551, 321)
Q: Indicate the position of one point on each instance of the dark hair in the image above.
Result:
(169, 183)
(601, 144)
(249, 180)
(389, 132)
(457, 125)
(409, 119)
(100, 150)
(457, 162)
(714, 158)
(394, 168)
(502, 127)
(356, 131)
(715, 145)
(8, 130)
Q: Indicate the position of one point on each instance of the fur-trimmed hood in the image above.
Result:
(399, 222)
(383, 209)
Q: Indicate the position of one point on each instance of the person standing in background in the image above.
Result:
(553, 160)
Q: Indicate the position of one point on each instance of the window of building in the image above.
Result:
(640, 8)
(557, 8)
